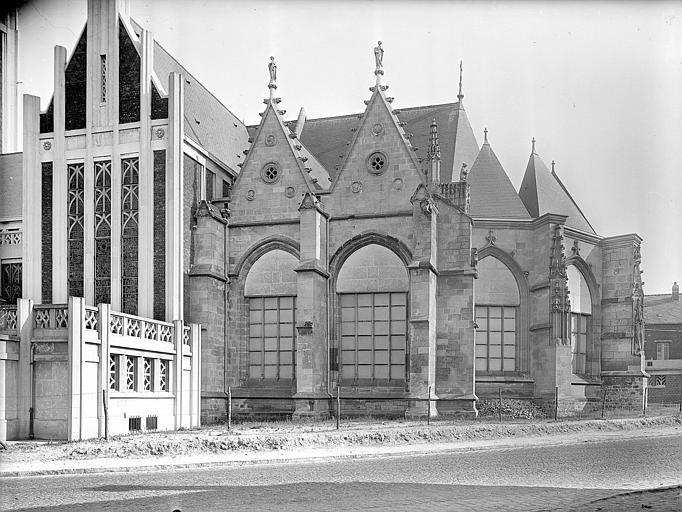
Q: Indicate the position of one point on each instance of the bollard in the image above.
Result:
(428, 409)
(499, 405)
(338, 407)
(229, 407)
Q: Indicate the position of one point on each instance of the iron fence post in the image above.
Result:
(556, 403)
(499, 404)
(229, 407)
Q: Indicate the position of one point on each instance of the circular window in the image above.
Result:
(270, 172)
(377, 162)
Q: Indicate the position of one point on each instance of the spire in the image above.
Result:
(272, 68)
(460, 96)
(485, 136)
(553, 172)
(433, 154)
(532, 150)
(379, 62)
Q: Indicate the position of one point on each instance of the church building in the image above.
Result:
(383, 254)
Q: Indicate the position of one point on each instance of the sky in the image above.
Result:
(598, 84)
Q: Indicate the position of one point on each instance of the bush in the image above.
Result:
(514, 409)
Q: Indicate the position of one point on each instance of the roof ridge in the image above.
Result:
(556, 176)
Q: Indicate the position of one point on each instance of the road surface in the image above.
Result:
(566, 477)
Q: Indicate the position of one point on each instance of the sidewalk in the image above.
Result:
(593, 432)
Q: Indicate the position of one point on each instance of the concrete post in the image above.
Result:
(25, 389)
(103, 318)
(60, 183)
(75, 373)
(30, 210)
(177, 372)
(174, 219)
(195, 386)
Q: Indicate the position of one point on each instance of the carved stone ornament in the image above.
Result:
(398, 184)
(377, 129)
(356, 187)
(47, 145)
(490, 237)
(575, 250)
(160, 132)
(474, 257)
(559, 299)
(44, 348)
(290, 192)
(271, 140)
(250, 195)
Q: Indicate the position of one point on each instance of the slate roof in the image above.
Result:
(328, 137)
(662, 309)
(10, 193)
(543, 192)
(492, 193)
(208, 122)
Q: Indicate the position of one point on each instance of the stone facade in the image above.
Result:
(389, 271)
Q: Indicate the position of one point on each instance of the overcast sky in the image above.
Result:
(599, 85)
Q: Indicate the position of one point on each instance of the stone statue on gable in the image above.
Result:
(379, 59)
(272, 67)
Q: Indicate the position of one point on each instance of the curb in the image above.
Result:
(391, 451)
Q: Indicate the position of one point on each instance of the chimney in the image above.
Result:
(676, 291)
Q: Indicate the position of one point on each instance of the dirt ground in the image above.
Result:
(292, 435)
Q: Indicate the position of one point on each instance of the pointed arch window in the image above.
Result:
(103, 232)
(129, 234)
(581, 319)
(75, 230)
(373, 287)
(497, 300)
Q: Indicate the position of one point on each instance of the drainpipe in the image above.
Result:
(329, 312)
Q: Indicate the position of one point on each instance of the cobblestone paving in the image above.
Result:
(576, 477)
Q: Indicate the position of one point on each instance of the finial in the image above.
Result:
(379, 62)
(272, 68)
(434, 146)
(553, 167)
(460, 96)
(532, 145)
(485, 136)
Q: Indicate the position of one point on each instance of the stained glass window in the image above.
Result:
(373, 336)
(129, 234)
(495, 339)
(102, 232)
(10, 279)
(75, 230)
(272, 348)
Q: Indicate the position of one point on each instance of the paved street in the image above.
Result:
(542, 478)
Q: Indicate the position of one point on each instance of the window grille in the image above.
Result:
(579, 332)
(659, 380)
(75, 229)
(131, 373)
(147, 378)
(129, 234)
(102, 232)
(163, 377)
(113, 372)
(495, 339)
(10, 279)
(134, 424)
(373, 336)
(151, 423)
(662, 350)
(272, 348)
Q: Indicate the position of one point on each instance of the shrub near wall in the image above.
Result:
(514, 409)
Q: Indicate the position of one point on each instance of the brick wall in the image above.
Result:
(160, 235)
(46, 225)
(128, 79)
(75, 87)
